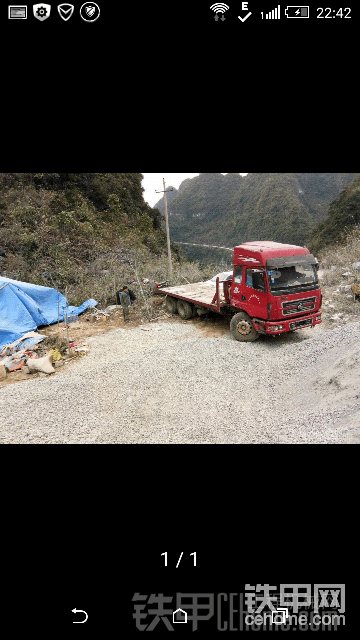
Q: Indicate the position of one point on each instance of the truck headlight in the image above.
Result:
(277, 327)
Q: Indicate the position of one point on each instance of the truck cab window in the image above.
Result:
(238, 275)
(293, 276)
(255, 279)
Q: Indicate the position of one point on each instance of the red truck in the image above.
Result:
(273, 289)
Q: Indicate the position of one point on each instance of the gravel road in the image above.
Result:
(172, 383)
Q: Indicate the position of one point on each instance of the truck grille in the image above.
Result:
(300, 323)
(304, 305)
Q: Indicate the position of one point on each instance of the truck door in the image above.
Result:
(255, 293)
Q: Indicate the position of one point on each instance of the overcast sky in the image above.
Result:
(154, 182)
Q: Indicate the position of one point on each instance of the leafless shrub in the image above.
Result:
(343, 256)
(335, 262)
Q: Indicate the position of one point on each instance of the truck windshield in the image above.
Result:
(288, 277)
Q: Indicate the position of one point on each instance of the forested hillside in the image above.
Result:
(82, 233)
(343, 216)
(71, 230)
(227, 210)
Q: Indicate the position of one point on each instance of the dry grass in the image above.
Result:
(340, 258)
(336, 287)
(106, 275)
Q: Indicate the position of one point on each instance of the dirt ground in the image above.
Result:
(211, 326)
(86, 326)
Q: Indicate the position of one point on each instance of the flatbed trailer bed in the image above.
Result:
(199, 293)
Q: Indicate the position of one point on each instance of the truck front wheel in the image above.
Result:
(185, 309)
(242, 328)
(171, 304)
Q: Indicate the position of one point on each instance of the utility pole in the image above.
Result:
(167, 227)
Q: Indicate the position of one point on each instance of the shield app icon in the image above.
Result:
(41, 11)
(65, 10)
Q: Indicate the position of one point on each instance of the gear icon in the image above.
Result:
(41, 12)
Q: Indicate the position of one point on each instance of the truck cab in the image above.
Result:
(276, 285)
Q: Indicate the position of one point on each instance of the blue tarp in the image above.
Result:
(25, 306)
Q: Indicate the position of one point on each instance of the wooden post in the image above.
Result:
(167, 231)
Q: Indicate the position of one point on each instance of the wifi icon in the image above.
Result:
(219, 7)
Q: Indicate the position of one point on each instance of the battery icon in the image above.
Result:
(297, 12)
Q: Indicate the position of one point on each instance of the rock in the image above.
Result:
(3, 372)
(355, 288)
(356, 265)
(112, 307)
(44, 365)
(347, 274)
(336, 316)
(6, 361)
(58, 363)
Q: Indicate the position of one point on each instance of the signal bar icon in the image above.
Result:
(272, 15)
(219, 7)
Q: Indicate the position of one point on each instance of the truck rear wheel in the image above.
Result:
(185, 309)
(242, 328)
(171, 304)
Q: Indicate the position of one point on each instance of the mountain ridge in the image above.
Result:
(230, 209)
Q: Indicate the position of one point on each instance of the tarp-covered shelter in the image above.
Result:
(25, 306)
